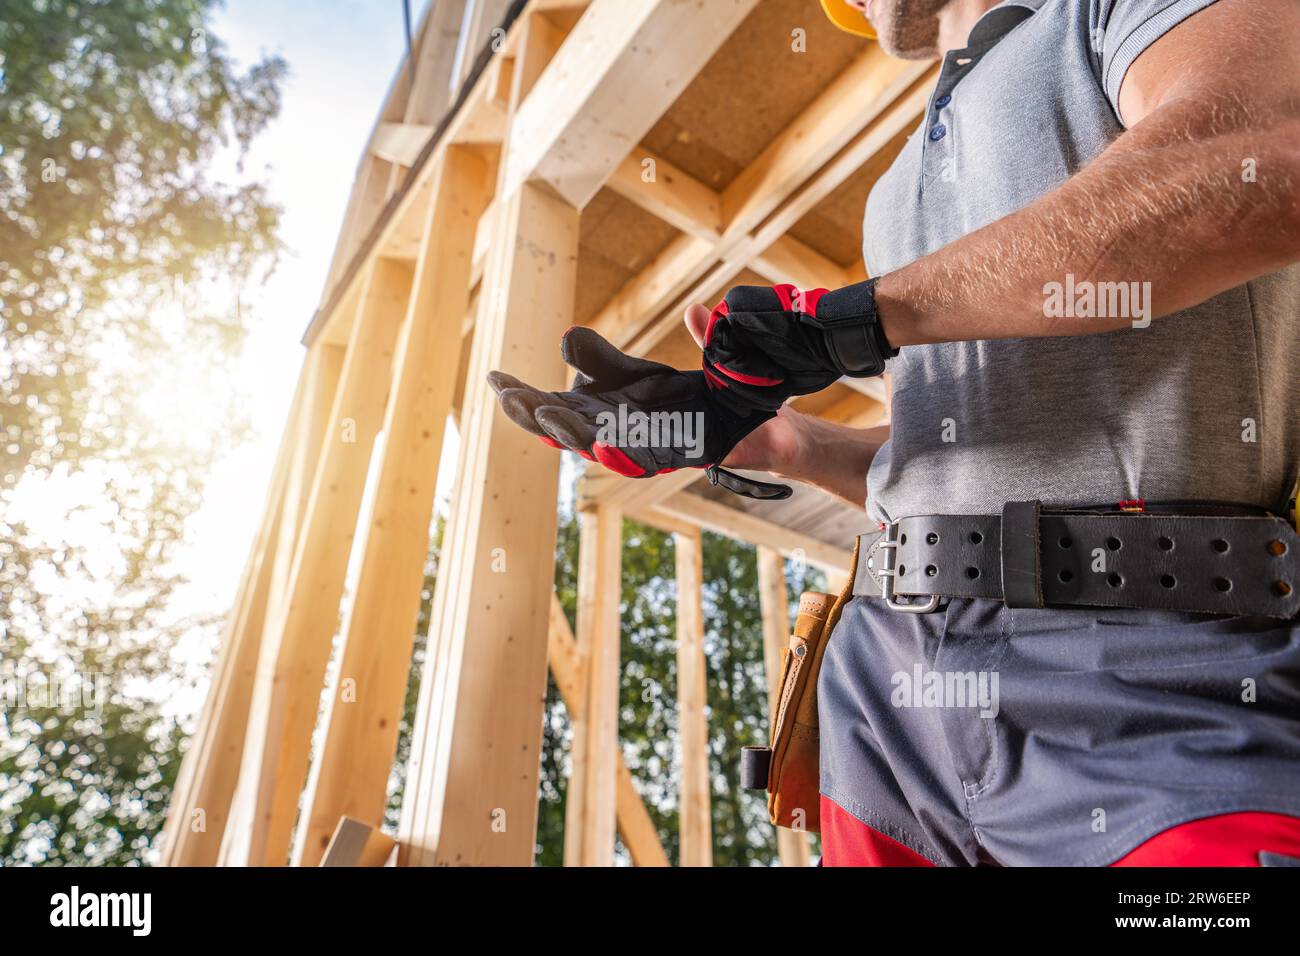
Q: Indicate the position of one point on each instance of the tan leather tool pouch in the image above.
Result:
(793, 784)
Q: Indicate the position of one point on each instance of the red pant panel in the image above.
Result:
(847, 841)
(1230, 839)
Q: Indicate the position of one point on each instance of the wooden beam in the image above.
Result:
(296, 646)
(593, 105)
(873, 388)
(350, 775)
(481, 18)
(647, 294)
(744, 526)
(369, 192)
(569, 670)
(787, 181)
(435, 58)
(789, 260)
(792, 848)
(672, 194)
(472, 784)
(692, 704)
(201, 800)
(400, 143)
(354, 843)
(827, 125)
(591, 810)
(338, 302)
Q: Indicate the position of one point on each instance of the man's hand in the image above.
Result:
(766, 344)
(637, 418)
(801, 447)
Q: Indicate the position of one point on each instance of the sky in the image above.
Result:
(342, 55)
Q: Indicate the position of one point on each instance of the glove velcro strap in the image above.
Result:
(749, 487)
(851, 324)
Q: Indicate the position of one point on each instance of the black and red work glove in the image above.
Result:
(636, 417)
(764, 344)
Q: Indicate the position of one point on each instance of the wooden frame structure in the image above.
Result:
(570, 171)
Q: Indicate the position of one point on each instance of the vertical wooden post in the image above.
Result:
(350, 775)
(590, 811)
(792, 848)
(472, 785)
(296, 645)
(480, 18)
(207, 780)
(692, 700)
(634, 823)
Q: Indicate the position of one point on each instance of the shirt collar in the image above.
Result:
(999, 21)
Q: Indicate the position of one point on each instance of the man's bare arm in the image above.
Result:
(1168, 203)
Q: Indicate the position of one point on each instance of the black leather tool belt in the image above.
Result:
(1031, 557)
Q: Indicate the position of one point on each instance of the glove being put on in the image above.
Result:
(764, 344)
(636, 417)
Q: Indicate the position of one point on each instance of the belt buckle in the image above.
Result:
(889, 546)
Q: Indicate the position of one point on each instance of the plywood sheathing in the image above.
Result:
(616, 240)
(751, 90)
(834, 226)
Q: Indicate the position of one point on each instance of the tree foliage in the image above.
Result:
(121, 257)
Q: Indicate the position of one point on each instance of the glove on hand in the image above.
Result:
(636, 417)
(764, 344)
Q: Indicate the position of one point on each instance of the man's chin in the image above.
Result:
(905, 32)
(908, 52)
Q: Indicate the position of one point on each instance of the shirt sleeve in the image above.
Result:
(1123, 29)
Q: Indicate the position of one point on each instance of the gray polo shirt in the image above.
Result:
(1204, 404)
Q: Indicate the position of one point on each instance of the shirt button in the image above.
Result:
(942, 101)
(938, 132)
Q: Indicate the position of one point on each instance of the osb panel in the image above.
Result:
(751, 90)
(616, 240)
(834, 226)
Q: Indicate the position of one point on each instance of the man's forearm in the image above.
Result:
(1171, 203)
(833, 457)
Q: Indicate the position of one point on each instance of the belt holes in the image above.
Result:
(903, 538)
(1115, 580)
(976, 537)
(931, 570)
(1113, 543)
(1281, 588)
(1276, 548)
(1168, 580)
(1065, 541)
(1165, 544)
(931, 538)
(972, 573)
(1222, 585)
(902, 569)
(1219, 545)
(1066, 576)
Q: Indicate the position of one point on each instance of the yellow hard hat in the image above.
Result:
(847, 18)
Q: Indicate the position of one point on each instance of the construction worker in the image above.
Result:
(1086, 286)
